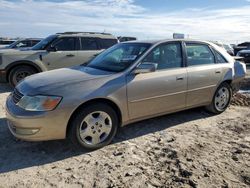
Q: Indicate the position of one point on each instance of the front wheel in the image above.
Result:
(19, 73)
(221, 99)
(94, 126)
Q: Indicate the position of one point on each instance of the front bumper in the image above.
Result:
(35, 126)
(3, 76)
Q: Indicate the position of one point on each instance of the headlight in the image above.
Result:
(39, 103)
(238, 54)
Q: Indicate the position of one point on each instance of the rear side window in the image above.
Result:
(219, 57)
(199, 54)
(65, 44)
(106, 43)
(89, 44)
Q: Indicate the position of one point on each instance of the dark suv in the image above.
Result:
(242, 46)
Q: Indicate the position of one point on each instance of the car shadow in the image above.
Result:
(16, 154)
(5, 88)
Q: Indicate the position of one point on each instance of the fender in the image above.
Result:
(23, 62)
(16, 63)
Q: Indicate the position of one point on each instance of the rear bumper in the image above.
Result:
(3, 76)
(239, 75)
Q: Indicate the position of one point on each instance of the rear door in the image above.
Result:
(163, 90)
(204, 73)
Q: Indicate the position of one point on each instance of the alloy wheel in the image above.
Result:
(222, 98)
(95, 127)
(21, 75)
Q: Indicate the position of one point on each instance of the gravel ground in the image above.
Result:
(185, 149)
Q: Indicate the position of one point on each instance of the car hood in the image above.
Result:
(60, 78)
(23, 51)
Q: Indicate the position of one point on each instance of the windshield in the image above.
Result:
(43, 43)
(119, 57)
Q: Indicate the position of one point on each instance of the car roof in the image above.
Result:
(30, 39)
(87, 34)
(169, 40)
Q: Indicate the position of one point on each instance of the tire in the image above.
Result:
(20, 72)
(221, 99)
(91, 130)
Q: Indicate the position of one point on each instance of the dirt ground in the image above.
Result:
(185, 149)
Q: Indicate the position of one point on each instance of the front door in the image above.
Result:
(161, 91)
(66, 54)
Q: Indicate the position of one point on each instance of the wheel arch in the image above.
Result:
(20, 63)
(228, 81)
(94, 101)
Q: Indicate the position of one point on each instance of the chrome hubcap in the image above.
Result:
(222, 98)
(95, 127)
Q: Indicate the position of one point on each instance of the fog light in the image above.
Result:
(23, 131)
(26, 131)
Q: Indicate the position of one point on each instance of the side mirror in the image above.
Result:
(52, 49)
(145, 68)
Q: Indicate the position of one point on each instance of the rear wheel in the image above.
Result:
(94, 126)
(19, 73)
(221, 99)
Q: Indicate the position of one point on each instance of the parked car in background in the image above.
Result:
(126, 83)
(56, 51)
(125, 39)
(242, 46)
(229, 49)
(245, 54)
(23, 43)
(226, 47)
(233, 45)
(6, 42)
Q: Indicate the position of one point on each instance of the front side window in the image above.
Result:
(199, 54)
(119, 57)
(89, 43)
(166, 56)
(44, 43)
(65, 44)
(34, 42)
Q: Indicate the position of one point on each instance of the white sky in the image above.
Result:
(29, 18)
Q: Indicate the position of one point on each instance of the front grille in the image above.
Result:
(16, 96)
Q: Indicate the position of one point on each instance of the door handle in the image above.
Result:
(179, 78)
(70, 55)
(217, 72)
